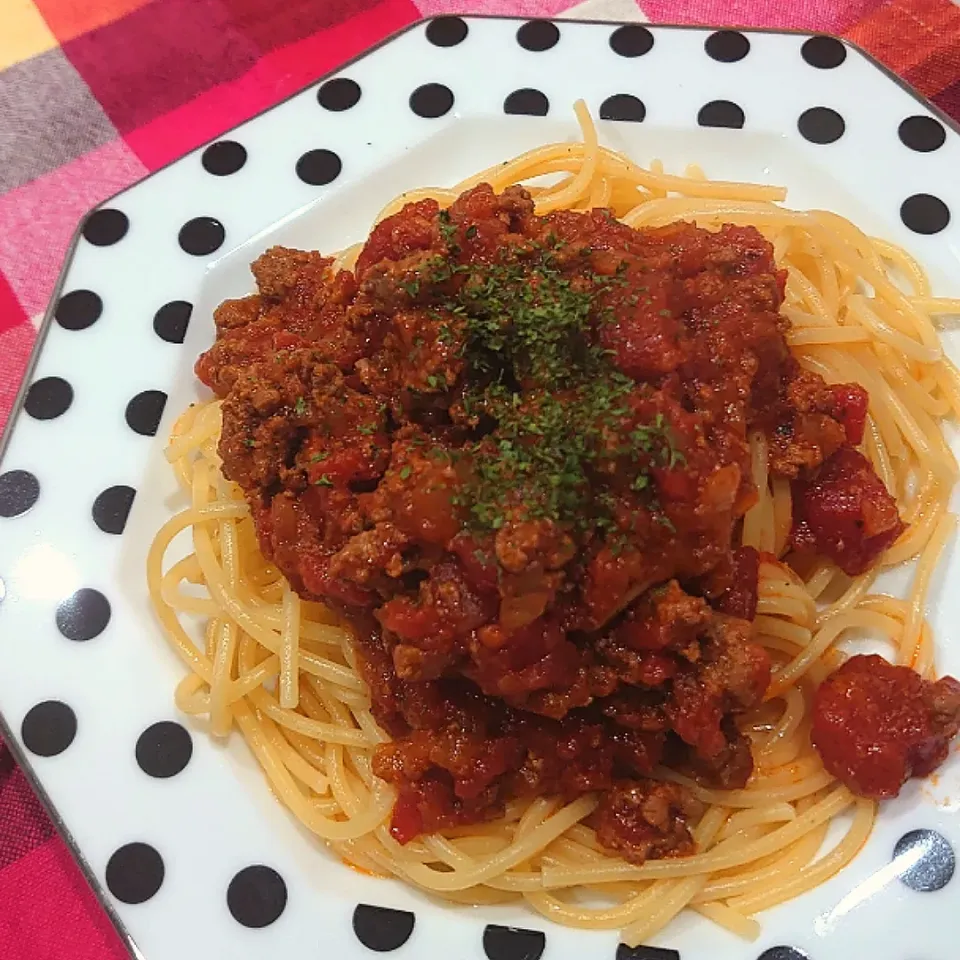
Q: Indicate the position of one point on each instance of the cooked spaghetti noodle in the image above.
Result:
(283, 671)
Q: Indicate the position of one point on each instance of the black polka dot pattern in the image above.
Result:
(925, 859)
(78, 309)
(256, 896)
(170, 322)
(382, 929)
(623, 106)
(103, 228)
(135, 873)
(783, 953)
(19, 491)
(48, 398)
(319, 167)
(727, 46)
(447, 31)
(164, 749)
(527, 102)
(721, 113)
(144, 412)
(821, 125)
(201, 236)
(339, 94)
(538, 35)
(645, 953)
(923, 134)
(224, 157)
(432, 100)
(924, 213)
(48, 728)
(631, 41)
(84, 615)
(112, 507)
(825, 53)
(512, 943)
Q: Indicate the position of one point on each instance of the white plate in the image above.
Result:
(84, 671)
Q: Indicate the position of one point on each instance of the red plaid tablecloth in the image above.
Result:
(95, 94)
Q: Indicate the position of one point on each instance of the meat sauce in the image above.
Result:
(513, 449)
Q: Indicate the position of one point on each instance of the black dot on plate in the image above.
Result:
(256, 896)
(84, 615)
(823, 52)
(645, 953)
(201, 236)
(48, 728)
(922, 134)
(447, 31)
(339, 94)
(925, 859)
(78, 309)
(170, 322)
(48, 398)
(19, 490)
(105, 227)
(135, 873)
(144, 412)
(924, 213)
(783, 953)
(512, 943)
(224, 157)
(382, 929)
(631, 41)
(821, 125)
(623, 106)
(164, 749)
(319, 167)
(431, 100)
(527, 102)
(538, 35)
(721, 113)
(112, 507)
(727, 46)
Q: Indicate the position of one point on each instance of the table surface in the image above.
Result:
(95, 94)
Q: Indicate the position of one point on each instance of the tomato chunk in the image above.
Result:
(845, 512)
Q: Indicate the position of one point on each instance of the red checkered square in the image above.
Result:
(15, 347)
(11, 311)
(158, 57)
(20, 808)
(270, 25)
(49, 911)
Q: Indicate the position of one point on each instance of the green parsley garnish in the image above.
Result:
(558, 402)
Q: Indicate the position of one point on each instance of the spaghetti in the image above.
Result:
(283, 669)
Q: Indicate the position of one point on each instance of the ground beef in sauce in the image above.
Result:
(514, 449)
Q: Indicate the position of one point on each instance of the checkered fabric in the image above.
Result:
(95, 94)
